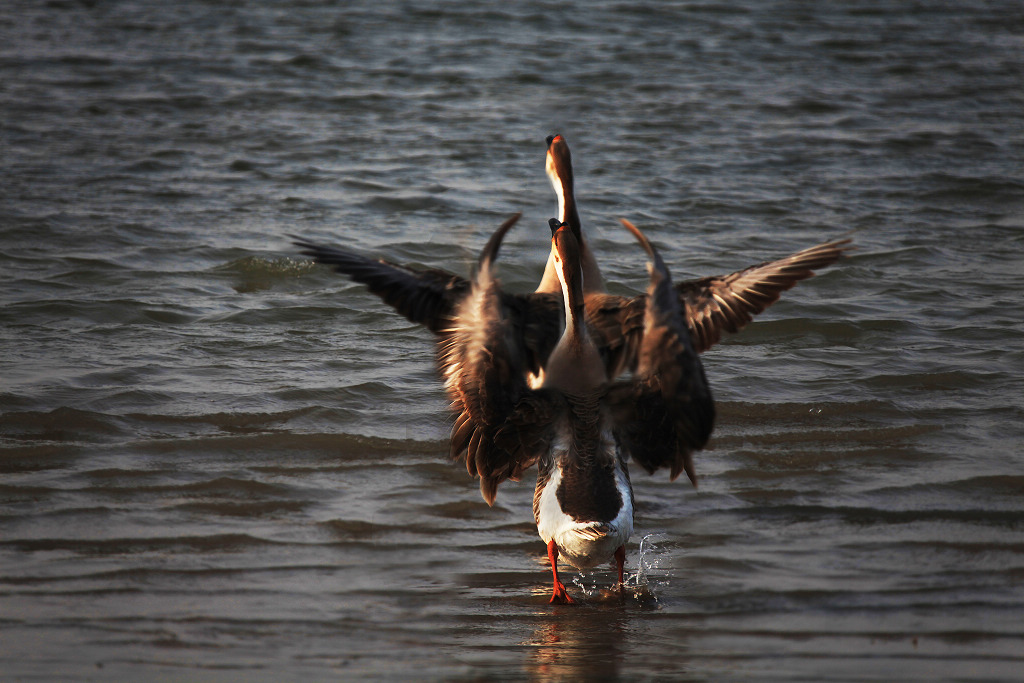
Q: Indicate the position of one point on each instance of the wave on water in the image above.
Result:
(150, 432)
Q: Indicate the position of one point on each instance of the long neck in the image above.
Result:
(575, 366)
(571, 279)
(566, 194)
(592, 282)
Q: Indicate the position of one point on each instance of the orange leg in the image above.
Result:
(620, 560)
(558, 594)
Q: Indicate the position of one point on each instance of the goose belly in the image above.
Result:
(583, 544)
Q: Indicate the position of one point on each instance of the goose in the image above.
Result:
(579, 427)
(558, 166)
(536, 377)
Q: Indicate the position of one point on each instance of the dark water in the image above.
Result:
(221, 463)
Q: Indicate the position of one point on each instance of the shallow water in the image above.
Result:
(219, 462)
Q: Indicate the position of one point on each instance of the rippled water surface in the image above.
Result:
(219, 462)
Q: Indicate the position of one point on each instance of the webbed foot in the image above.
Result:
(559, 596)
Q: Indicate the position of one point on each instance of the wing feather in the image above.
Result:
(484, 361)
(666, 412)
(726, 303)
(427, 296)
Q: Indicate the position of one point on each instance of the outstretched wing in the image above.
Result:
(710, 306)
(726, 303)
(498, 431)
(427, 297)
(666, 411)
(430, 297)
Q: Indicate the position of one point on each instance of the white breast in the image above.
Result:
(584, 544)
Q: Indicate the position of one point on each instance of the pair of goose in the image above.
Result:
(573, 379)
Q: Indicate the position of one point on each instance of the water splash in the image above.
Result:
(648, 571)
(257, 273)
(640, 584)
(587, 583)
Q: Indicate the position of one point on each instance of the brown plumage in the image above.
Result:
(726, 303)
(667, 412)
(502, 425)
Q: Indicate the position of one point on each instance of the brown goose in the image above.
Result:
(578, 427)
(558, 166)
(492, 341)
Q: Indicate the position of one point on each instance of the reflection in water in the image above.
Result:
(579, 643)
(588, 640)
